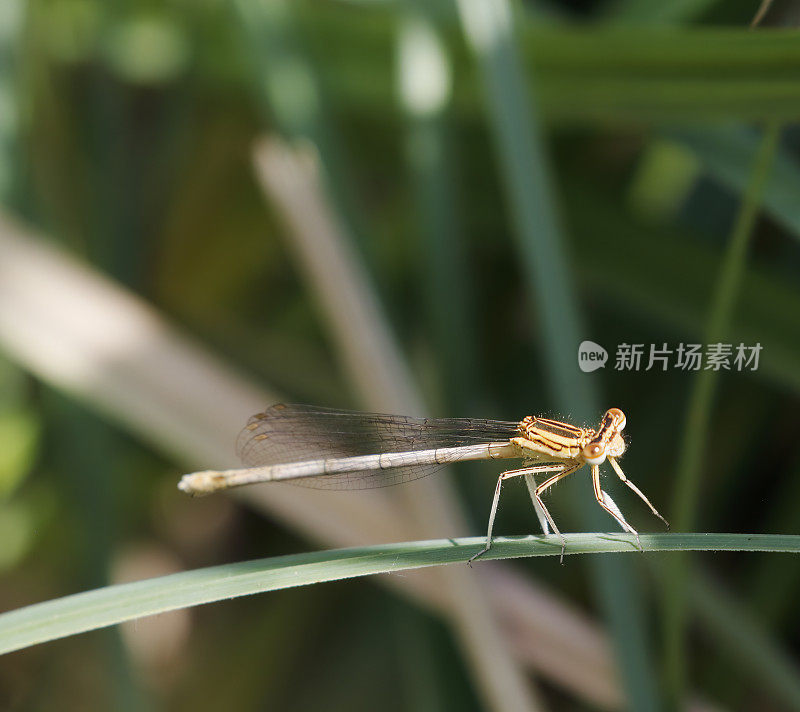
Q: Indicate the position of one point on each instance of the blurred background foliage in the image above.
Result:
(126, 136)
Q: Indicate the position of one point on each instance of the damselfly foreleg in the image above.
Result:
(630, 484)
(605, 501)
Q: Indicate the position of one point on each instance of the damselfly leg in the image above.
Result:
(506, 476)
(540, 490)
(536, 493)
(605, 501)
(630, 484)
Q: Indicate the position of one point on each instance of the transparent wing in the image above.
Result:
(296, 433)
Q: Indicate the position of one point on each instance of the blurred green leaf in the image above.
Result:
(16, 533)
(725, 152)
(19, 434)
(664, 178)
(71, 29)
(425, 93)
(147, 49)
(11, 23)
(586, 75)
(693, 442)
(646, 12)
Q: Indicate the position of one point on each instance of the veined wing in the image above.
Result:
(288, 433)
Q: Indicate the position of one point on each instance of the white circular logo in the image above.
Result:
(591, 356)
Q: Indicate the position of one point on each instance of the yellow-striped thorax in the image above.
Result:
(568, 442)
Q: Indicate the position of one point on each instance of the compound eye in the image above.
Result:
(618, 416)
(594, 454)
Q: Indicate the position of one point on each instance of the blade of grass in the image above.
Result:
(91, 610)
(115, 242)
(292, 180)
(696, 425)
(587, 75)
(11, 24)
(514, 123)
(425, 92)
(761, 13)
(513, 120)
(620, 76)
(644, 12)
(725, 151)
(286, 81)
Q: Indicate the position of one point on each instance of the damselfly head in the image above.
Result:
(608, 439)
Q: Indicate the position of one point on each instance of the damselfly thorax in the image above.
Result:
(336, 449)
(542, 437)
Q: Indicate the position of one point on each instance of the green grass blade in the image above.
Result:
(587, 75)
(514, 121)
(11, 26)
(115, 604)
(657, 14)
(513, 118)
(426, 90)
(623, 75)
(286, 79)
(725, 153)
(695, 435)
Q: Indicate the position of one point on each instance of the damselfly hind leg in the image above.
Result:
(537, 493)
(630, 484)
(496, 500)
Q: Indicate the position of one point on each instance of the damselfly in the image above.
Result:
(338, 449)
